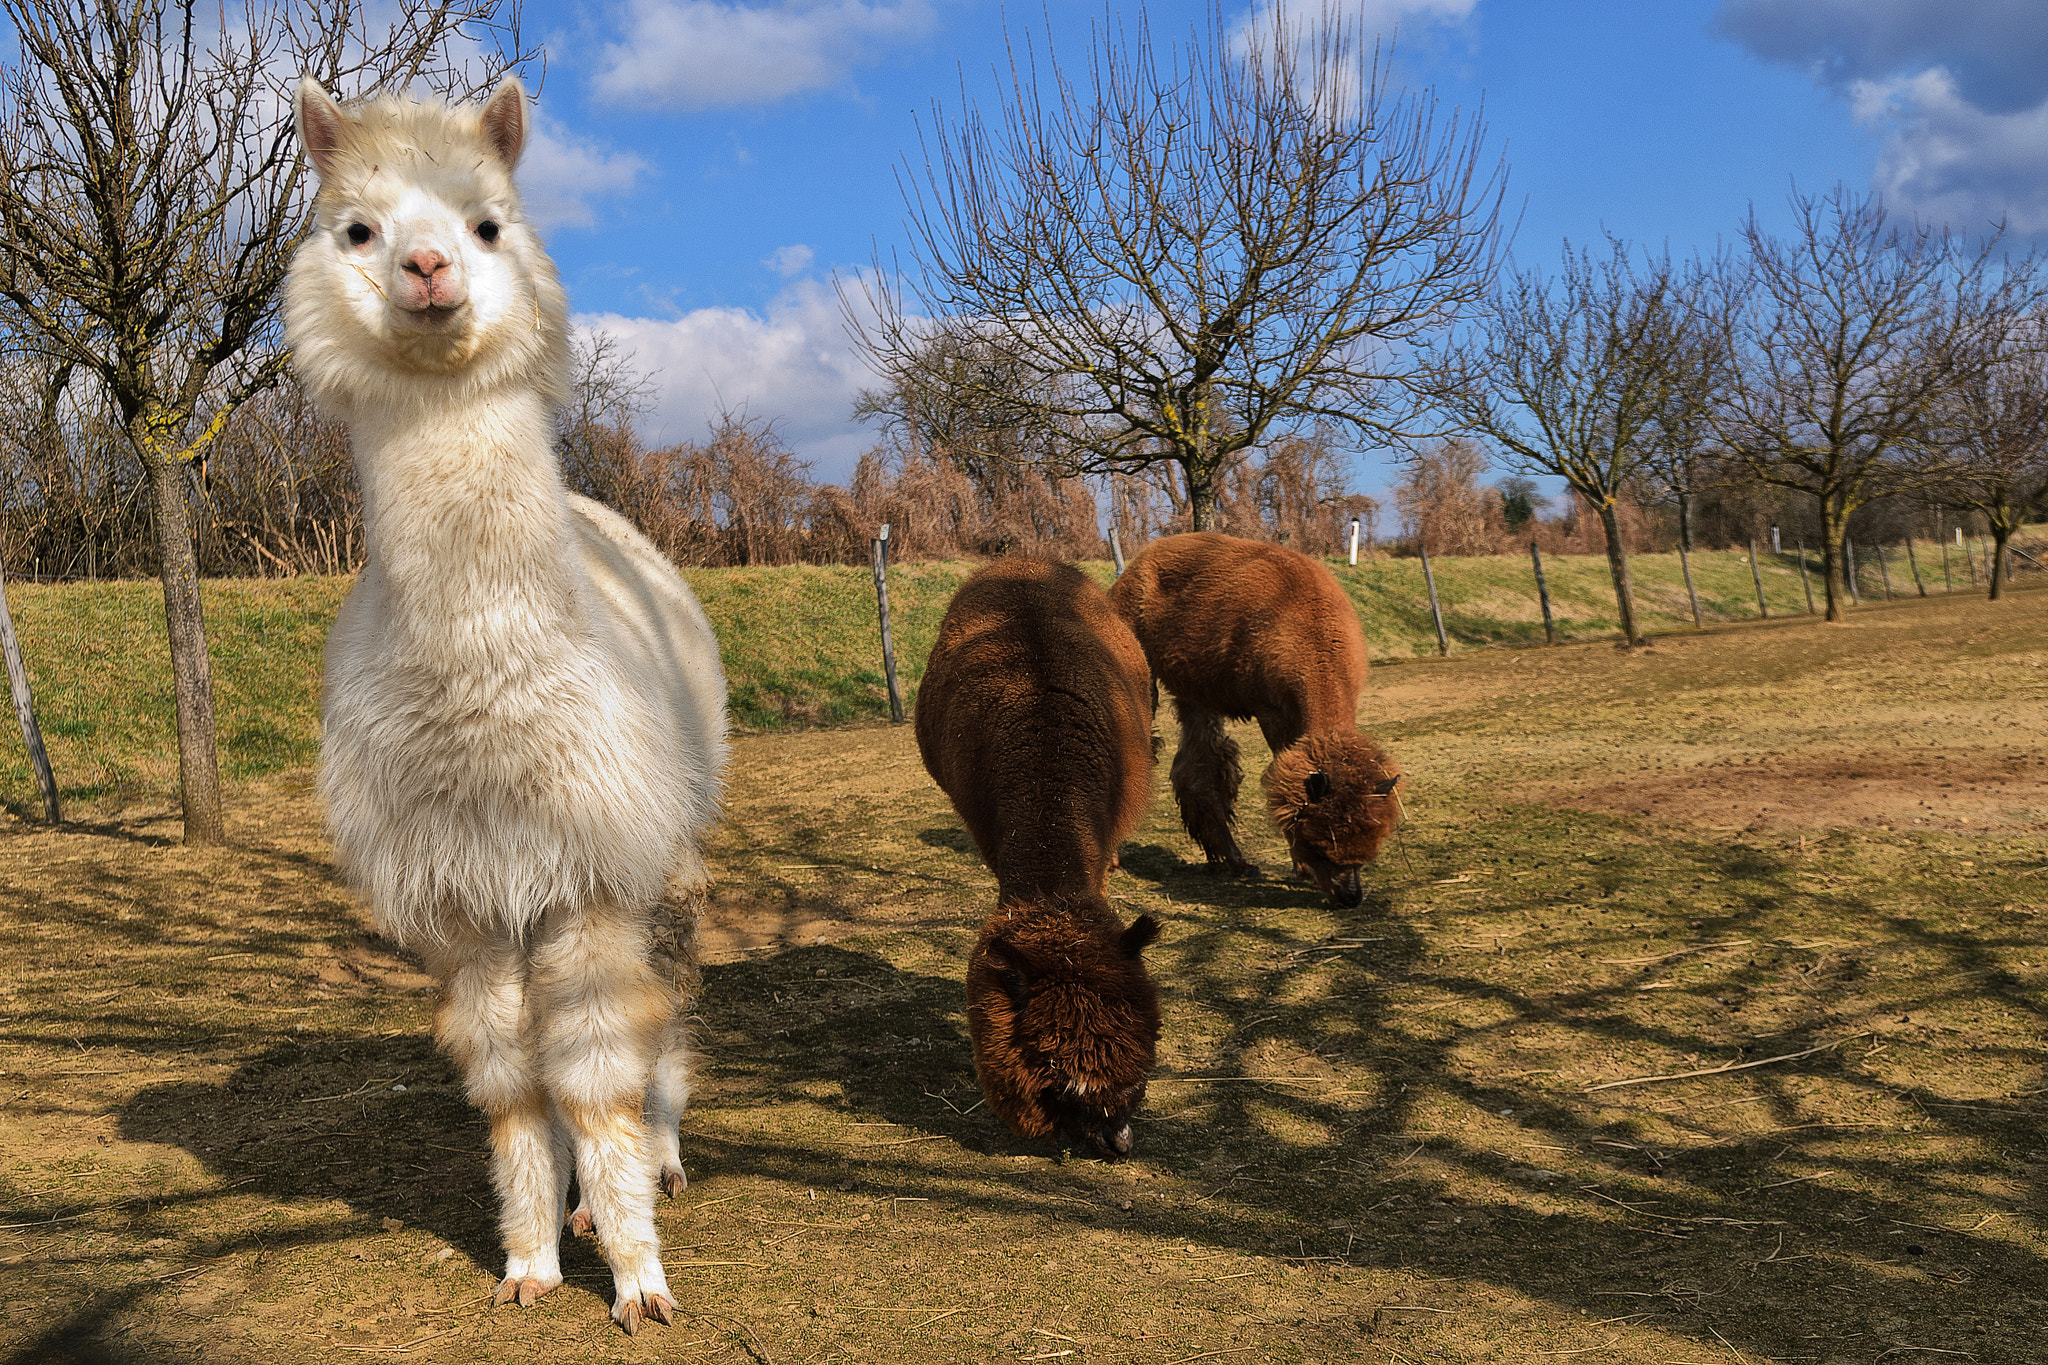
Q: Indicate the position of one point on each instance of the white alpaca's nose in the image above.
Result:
(426, 263)
(430, 283)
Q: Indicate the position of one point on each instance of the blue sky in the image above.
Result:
(704, 166)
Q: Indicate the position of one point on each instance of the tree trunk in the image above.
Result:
(191, 667)
(2001, 532)
(1201, 497)
(1617, 564)
(1834, 532)
(1685, 526)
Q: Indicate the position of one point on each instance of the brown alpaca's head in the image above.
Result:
(1333, 795)
(1065, 1022)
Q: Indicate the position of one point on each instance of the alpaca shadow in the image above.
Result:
(382, 1126)
(889, 1039)
(796, 1025)
(378, 1124)
(1184, 880)
(949, 836)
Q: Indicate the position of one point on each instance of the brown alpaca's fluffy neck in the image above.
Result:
(1039, 917)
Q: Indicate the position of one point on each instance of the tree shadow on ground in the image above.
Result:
(1353, 1107)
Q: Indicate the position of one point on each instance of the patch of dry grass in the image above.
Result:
(1374, 1135)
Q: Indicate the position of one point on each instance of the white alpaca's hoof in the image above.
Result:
(673, 1181)
(526, 1279)
(643, 1294)
(580, 1223)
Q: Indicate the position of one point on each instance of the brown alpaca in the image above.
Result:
(1239, 629)
(1035, 717)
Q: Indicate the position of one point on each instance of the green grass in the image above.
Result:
(801, 647)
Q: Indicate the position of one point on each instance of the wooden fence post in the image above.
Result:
(1542, 593)
(1116, 551)
(1884, 570)
(1914, 560)
(25, 710)
(1685, 562)
(1443, 644)
(1804, 581)
(881, 549)
(1756, 576)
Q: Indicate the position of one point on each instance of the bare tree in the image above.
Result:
(1440, 499)
(1179, 256)
(1990, 453)
(1682, 459)
(1842, 342)
(151, 199)
(1296, 493)
(64, 504)
(1022, 494)
(599, 445)
(281, 490)
(1570, 374)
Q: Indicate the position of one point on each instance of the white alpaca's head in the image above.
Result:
(421, 271)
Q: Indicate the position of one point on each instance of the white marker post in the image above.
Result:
(881, 549)
(1354, 542)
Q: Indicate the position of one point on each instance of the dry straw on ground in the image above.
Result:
(225, 1135)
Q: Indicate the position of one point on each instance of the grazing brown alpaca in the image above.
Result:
(1238, 629)
(1035, 717)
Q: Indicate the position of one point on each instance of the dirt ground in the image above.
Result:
(1464, 1122)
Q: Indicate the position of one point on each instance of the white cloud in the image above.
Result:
(789, 260)
(703, 54)
(1383, 16)
(1948, 161)
(1957, 89)
(1995, 51)
(1370, 19)
(561, 173)
(1374, 29)
(793, 365)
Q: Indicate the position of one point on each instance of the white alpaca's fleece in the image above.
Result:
(524, 710)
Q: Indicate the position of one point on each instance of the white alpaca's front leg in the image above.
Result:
(530, 1168)
(480, 1025)
(603, 1012)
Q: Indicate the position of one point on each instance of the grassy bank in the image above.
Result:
(800, 646)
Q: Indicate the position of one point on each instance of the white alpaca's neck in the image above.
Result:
(465, 516)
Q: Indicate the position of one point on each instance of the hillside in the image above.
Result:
(800, 646)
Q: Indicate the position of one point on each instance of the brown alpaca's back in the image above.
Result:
(1239, 629)
(1248, 630)
(1035, 717)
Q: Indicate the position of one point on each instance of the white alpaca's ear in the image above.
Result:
(505, 121)
(321, 124)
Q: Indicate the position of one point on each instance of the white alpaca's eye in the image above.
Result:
(487, 230)
(359, 233)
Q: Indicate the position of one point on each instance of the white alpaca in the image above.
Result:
(524, 711)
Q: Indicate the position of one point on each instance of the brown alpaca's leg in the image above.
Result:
(482, 1025)
(602, 1011)
(1206, 777)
